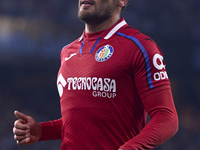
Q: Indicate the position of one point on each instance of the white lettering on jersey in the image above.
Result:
(155, 63)
(61, 83)
(103, 94)
(102, 87)
(162, 74)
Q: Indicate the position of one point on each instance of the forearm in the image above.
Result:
(51, 130)
(162, 126)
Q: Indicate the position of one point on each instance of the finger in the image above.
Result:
(19, 124)
(24, 141)
(21, 115)
(20, 138)
(19, 132)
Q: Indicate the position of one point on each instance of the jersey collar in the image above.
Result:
(106, 34)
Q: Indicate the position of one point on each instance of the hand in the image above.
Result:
(26, 130)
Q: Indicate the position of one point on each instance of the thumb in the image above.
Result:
(20, 115)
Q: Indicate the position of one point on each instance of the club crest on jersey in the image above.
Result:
(104, 53)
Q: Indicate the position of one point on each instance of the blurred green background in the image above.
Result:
(33, 32)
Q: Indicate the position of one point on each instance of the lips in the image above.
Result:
(86, 2)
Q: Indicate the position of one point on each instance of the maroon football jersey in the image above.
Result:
(101, 81)
(107, 83)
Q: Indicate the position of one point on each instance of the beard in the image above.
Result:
(96, 17)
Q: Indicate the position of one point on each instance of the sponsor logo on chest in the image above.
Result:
(100, 87)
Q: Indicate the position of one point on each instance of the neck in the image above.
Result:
(92, 28)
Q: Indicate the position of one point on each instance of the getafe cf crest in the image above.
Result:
(104, 53)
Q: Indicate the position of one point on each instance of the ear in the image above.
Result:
(122, 3)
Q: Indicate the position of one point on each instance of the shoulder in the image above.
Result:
(71, 45)
(133, 37)
(130, 33)
(70, 48)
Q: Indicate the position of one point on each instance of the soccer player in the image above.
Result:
(109, 79)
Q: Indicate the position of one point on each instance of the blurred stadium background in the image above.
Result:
(33, 32)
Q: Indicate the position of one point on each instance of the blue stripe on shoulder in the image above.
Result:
(145, 55)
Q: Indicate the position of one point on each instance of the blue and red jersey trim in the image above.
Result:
(145, 55)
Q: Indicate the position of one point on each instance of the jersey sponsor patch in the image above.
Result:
(159, 64)
(104, 53)
(101, 87)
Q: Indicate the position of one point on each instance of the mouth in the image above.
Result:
(86, 2)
